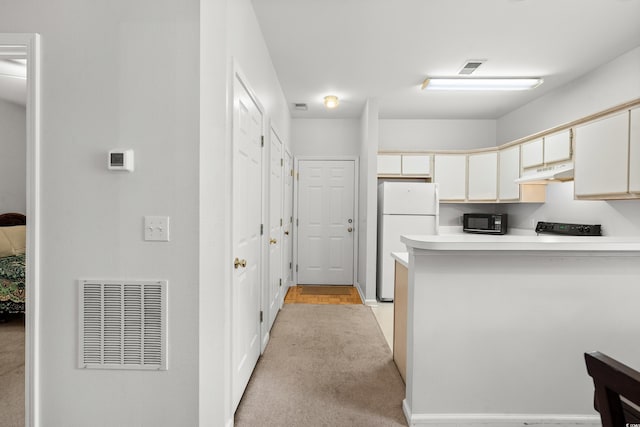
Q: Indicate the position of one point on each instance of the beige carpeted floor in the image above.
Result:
(12, 373)
(325, 365)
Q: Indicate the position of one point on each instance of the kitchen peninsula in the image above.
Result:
(497, 326)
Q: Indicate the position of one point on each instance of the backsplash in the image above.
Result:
(618, 217)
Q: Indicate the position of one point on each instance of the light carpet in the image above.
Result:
(12, 373)
(325, 365)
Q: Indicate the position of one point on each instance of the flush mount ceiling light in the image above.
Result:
(331, 101)
(503, 83)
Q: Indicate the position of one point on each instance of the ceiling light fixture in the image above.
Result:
(502, 83)
(331, 101)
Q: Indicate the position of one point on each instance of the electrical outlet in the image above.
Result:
(156, 228)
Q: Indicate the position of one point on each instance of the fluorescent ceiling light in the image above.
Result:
(481, 83)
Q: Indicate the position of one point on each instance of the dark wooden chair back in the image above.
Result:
(613, 380)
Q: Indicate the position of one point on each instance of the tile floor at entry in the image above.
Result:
(383, 311)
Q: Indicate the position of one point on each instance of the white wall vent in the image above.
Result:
(123, 324)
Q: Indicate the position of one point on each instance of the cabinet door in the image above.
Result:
(450, 172)
(634, 152)
(557, 147)
(389, 164)
(532, 154)
(508, 172)
(601, 154)
(483, 176)
(416, 165)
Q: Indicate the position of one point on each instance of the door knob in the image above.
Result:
(286, 233)
(239, 263)
(272, 241)
(350, 229)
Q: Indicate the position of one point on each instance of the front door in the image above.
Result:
(247, 220)
(326, 222)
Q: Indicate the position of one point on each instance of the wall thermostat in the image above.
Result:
(120, 160)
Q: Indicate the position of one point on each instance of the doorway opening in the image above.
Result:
(19, 57)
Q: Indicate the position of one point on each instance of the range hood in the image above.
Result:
(562, 172)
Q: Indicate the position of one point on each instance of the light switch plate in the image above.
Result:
(156, 228)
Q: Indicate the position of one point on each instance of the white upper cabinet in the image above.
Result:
(634, 152)
(509, 171)
(483, 176)
(557, 147)
(416, 164)
(389, 164)
(532, 153)
(450, 172)
(601, 156)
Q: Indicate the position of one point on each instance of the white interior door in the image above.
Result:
(247, 220)
(275, 227)
(287, 245)
(326, 222)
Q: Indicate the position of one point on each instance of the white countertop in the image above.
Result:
(482, 242)
(401, 257)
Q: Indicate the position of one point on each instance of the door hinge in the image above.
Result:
(262, 140)
(281, 162)
(298, 176)
(296, 268)
(297, 222)
(280, 282)
(290, 266)
(261, 316)
(280, 222)
(291, 172)
(261, 229)
(290, 219)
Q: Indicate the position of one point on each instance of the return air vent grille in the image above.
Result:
(470, 66)
(123, 324)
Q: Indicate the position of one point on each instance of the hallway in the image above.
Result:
(325, 365)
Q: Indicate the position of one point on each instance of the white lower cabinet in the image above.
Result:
(483, 177)
(450, 173)
(509, 171)
(601, 157)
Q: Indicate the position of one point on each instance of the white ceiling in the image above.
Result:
(384, 49)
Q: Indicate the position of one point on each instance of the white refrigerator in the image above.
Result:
(403, 208)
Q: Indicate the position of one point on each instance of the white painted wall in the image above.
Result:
(13, 160)
(213, 328)
(124, 75)
(368, 202)
(413, 134)
(325, 137)
(609, 85)
(249, 51)
(618, 218)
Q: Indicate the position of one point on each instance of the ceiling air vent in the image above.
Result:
(123, 324)
(300, 106)
(470, 66)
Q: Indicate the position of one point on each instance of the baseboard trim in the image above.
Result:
(360, 291)
(229, 423)
(502, 420)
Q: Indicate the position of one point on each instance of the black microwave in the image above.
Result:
(484, 223)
